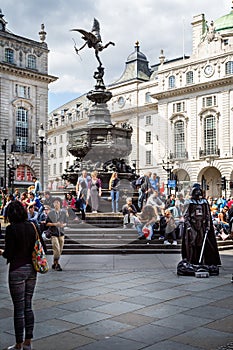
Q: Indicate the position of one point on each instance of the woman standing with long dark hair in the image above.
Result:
(19, 243)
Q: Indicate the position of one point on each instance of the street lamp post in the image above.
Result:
(12, 164)
(168, 167)
(4, 148)
(41, 134)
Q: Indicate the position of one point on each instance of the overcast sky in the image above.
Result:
(156, 24)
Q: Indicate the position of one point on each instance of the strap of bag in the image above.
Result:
(37, 234)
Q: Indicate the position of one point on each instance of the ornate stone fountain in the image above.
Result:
(99, 145)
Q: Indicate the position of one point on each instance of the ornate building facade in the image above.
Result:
(24, 81)
(181, 111)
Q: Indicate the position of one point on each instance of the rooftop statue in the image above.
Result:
(93, 39)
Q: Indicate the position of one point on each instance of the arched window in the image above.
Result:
(9, 55)
(148, 97)
(189, 77)
(210, 135)
(179, 139)
(22, 129)
(31, 62)
(171, 82)
(229, 67)
(24, 173)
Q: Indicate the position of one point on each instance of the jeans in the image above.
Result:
(115, 199)
(139, 228)
(22, 283)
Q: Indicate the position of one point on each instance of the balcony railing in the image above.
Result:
(178, 155)
(214, 151)
(22, 149)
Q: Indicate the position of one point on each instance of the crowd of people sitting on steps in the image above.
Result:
(150, 213)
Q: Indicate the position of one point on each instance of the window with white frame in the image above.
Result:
(54, 169)
(179, 139)
(9, 55)
(229, 67)
(60, 152)
(189, 77)
(148, 136)
(148, 158)
(21, 129)
(22, 91)
(31, 61)
(171, 82)
(209, 101)
(179, 107)
(210, 135)
(148, 120)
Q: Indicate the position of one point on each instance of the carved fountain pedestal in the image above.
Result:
(100, 145)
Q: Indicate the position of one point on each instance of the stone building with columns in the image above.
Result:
(181, 112)
(24, 81)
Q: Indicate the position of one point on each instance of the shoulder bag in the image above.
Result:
(39, 259)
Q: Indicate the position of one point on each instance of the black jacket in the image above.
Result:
(19, 243)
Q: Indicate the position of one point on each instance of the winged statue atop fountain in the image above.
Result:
(93, 40)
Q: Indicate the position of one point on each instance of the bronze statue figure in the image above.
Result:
(93, 39)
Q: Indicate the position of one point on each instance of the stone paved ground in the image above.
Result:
(129, 302)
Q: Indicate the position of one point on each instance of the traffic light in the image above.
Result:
(11, 176)
(223, 182)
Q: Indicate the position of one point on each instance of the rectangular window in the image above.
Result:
(9, 56)
(61, 138)
(60, 168)
(179, 107)
(148, 157)
(54, 169)
(209, 101)
(148, 137)
(148, 120)
(179, 139)
(210, 135)
(189, 78)
(229, 67)
(22, 91)
(60, 152)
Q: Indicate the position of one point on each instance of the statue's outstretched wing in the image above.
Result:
(96, 29)
(87, 35)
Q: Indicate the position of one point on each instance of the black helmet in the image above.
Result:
(196, 191)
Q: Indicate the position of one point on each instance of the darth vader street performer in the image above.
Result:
(199, 245)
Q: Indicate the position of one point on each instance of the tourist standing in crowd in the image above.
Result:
(154, 181)
(114, 184)
(81, 191)
(37, 186)
(56, 221)
(94, 191)
(19, 243)
(144, 190)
